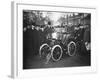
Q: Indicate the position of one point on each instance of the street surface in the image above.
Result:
(35, 61)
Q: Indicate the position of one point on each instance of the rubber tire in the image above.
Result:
(68, 48)
(52, 53)
(45, 44)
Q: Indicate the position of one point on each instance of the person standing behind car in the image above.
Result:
(87, 39)
(35, 40)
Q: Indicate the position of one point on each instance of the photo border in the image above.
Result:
(17, 50)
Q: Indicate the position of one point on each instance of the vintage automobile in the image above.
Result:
(58, 41)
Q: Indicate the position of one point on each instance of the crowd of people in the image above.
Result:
(34, 36)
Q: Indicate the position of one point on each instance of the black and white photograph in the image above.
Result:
(56, 39)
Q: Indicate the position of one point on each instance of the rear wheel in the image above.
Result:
(44, 50)
(56, 53)
(71, 48)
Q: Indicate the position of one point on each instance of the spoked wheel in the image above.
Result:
(44, 50)
(71, 48)
(56, 53)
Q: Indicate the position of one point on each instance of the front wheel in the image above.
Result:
(71, 48)
(56, 53)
